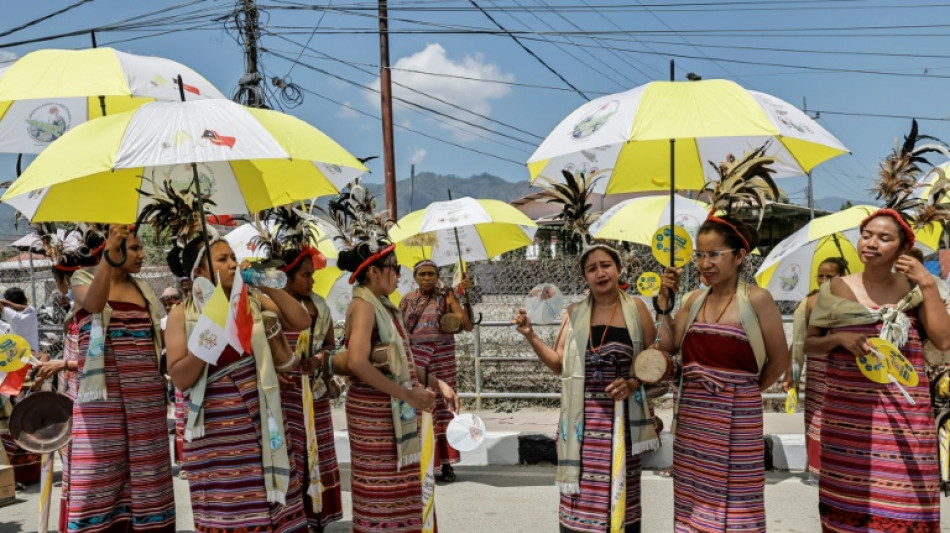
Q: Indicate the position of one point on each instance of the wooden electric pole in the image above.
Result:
(386, 97)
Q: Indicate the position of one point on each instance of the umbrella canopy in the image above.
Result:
(636, 220)
(485, 229)
(626, 136)
(46, 93)
(247, 159)
(788, 272)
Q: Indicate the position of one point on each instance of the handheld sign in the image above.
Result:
(544, 304)
(465, 432)
(676, 239)
(648, 284)
(14, 353)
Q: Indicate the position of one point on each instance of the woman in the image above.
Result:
(422, 311)
(879, 469)
(733, 347)
(381, 408)
(235, 441)
(828, 269)
(319, 458)
(119, 468)
(595, 346)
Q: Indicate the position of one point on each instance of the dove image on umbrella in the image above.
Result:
(46, 93)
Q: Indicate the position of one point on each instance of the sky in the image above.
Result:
(866, 66)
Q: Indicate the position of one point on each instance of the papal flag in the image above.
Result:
(209, 338)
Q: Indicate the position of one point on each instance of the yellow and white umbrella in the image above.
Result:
(636, 220)
(627, 136)
(485, 230)
(245, 159)
(46, 93)
(789, 271)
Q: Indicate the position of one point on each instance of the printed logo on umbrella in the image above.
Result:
(190, 88)
(217, 139)
(789, 277)
(48, 122)
(594, 121)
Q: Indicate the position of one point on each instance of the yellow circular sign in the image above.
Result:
(892, 362)
(648, 284)
(791, 401)
(678, 240)
(14, 352)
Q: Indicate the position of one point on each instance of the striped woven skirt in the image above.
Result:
(718, 453)
(292, 403)
(69, 385)
(441, 361)
(589, 510)
(225, 470)
(119, 467)
(814, 395)
(385, 499)
(879, 469)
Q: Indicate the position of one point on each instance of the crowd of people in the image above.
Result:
(255, 435)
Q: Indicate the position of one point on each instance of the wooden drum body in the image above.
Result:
(653, 367)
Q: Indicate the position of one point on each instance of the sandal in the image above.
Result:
(448, 474)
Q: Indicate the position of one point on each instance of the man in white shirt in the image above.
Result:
(21, 316)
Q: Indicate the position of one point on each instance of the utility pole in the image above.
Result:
(249, 90)
(412, 185)
(386, 104)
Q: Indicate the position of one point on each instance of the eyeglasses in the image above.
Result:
(714, 256)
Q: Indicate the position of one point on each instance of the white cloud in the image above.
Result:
(346, 112)
(457, 84)
(417, 156)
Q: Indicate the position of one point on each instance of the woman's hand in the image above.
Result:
(916, 272)
(787, 382)
(308, 365)
(669, 285)
(451, 398)
(523, 323)
(621, 389)
(420, 398)
(48, 369)
(285, 382)
(856, 343)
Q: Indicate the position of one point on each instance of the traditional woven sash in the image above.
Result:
(273, 449)
(310, 342)
(92, 380)
(405, 421)
(571, 426)
(832, 311)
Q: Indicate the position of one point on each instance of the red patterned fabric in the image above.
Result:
(879, 469)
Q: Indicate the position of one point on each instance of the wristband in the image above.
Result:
(656, 305)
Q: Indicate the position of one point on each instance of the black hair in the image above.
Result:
(350, 259)
(733, 232)
(839, 262)
(15, 295)
(181, 260)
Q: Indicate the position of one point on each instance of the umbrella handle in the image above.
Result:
(122, 250)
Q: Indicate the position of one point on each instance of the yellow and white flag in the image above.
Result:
(618, 471)
(209, 338)
(315, 490)
(427, 472)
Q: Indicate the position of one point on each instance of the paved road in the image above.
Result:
(520, 498)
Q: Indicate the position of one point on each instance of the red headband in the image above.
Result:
(63, 268)
(908, 232)
(370, 260)
(745, 243)
(319, 261)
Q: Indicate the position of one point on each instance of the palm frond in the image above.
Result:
(574, 198)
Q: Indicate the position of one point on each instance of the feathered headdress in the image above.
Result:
(902, 170)
(172, 211)
(286, 235)
(746, 182)
(353, 214)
